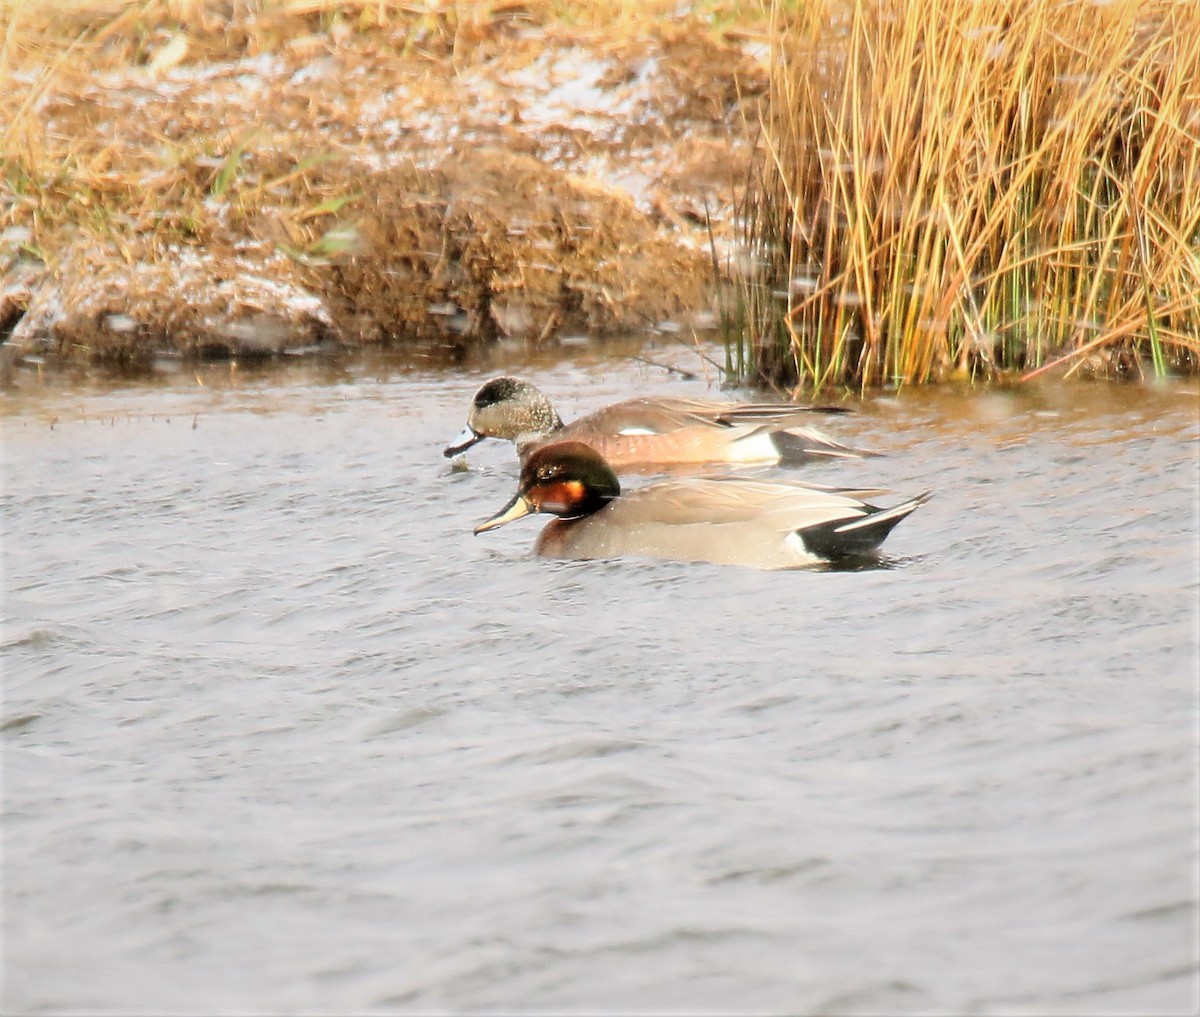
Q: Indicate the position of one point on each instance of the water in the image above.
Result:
(282, 736)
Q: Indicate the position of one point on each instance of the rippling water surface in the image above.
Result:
(281, 735)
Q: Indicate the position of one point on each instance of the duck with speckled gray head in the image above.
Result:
(654, 431)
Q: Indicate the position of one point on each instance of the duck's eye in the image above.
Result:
(546, 472)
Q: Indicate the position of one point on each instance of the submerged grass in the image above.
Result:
(973, 188)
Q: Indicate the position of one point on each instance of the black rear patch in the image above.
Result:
(856, 538)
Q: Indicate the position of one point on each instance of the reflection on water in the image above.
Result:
(281, 735)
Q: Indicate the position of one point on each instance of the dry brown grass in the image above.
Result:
(277, 147)
(52, 48)
(976, 187)
(57, 54)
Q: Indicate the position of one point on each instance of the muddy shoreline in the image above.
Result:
(345, 189)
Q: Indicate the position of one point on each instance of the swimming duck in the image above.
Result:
(727, 521)
(648, 432)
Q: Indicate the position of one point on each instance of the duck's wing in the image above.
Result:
(796, 445)
(642, 417)
(832, 521)
(719, 501)
(725, 414)
(733, 414)
(663, 415)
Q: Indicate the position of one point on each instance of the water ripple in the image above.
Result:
(280, 734)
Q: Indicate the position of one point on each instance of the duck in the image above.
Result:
(648, 432)
(721, 520)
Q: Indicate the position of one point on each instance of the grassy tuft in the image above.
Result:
(73, 62)
(193, 175)
(974, 188)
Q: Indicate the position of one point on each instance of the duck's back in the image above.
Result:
(667, 432)
(725, 522)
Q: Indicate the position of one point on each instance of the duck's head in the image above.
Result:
(567, 479)
(506, 408)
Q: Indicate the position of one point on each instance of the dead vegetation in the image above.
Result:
(982, 188)
(560, 253)
(206, 178)
(976, 188)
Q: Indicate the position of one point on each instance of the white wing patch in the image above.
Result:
(756, 447)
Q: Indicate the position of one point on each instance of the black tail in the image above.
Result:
(860, 536)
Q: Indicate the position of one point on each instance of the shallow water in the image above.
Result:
(281, 735)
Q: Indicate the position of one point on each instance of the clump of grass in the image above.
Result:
(974, 187)
(125, 125)
(266, 178)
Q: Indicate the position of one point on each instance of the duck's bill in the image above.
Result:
(463, 442)
(515, 509)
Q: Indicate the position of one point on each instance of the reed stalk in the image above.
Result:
(975, 188)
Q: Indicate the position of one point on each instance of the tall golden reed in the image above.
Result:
(975, 187)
